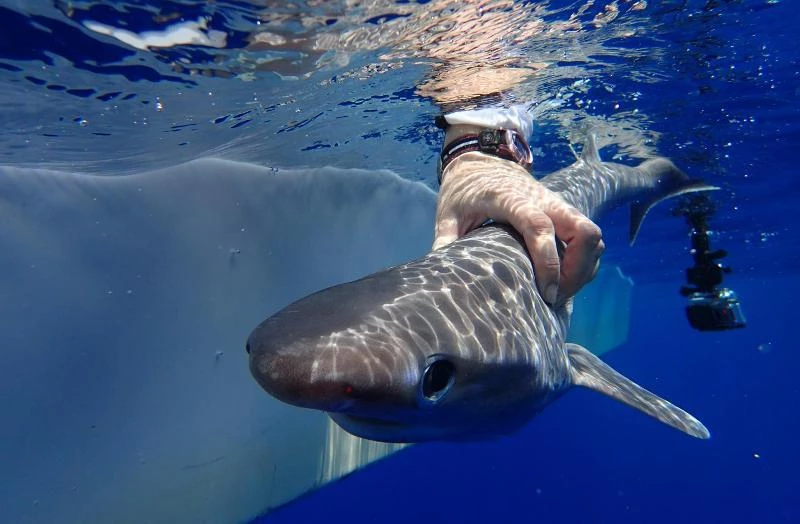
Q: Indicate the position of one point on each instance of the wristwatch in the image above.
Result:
(502, 143)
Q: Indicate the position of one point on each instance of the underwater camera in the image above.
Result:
(711, 307)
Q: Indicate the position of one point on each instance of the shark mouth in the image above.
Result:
(366, 421)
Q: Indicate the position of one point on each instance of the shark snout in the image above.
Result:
(329, 374)
(290, 378)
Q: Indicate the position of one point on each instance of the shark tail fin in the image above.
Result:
(671, 182)
(591, 372)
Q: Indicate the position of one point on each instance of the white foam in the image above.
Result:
(182, 33)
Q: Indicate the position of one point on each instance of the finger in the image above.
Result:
(446, 232)
(539, 234)
(581, 258)
(584, 246)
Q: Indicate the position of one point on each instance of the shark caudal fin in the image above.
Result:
(672, 182)
(591, 372)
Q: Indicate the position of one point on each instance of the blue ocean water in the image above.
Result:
(587, 459)
(712, 84)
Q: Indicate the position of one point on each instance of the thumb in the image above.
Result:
(446, 232)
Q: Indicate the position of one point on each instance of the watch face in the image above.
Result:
(504, 143)
(489, 138)
(522, 151)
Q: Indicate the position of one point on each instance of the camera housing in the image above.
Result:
(716, 311)
(710, 307)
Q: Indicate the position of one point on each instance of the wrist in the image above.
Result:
(457, 131)
(506, 144)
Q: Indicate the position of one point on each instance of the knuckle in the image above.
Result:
(549, 263)
(538, 223)
(589, 233)
(600, 249)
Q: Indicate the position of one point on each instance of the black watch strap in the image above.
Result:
(502, 143)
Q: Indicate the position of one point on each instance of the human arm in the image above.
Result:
(476, 188)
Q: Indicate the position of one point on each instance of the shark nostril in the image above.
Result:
(247, 348)
(437, 378)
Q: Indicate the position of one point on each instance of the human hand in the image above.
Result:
(478, 187)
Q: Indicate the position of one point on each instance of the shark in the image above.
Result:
(459, 344)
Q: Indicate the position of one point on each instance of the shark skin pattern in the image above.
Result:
(458, 345)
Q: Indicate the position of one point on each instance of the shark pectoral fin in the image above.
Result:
(672, 182)
(591, 372)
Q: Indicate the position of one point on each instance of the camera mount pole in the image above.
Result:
(711, 307)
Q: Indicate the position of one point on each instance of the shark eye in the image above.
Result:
(438, 378)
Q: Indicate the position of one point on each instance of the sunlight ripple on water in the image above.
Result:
(116, 89)
(131, 65)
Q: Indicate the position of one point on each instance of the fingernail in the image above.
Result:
(551, 294)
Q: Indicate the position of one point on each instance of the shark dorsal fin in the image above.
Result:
(589, 154)
(672, 182)
(591, 372)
